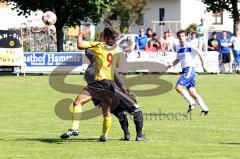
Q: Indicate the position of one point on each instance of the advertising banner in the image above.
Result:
(11, 50)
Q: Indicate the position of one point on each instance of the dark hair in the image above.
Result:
(111, 34)
(154, 34)
(149, 29)
(180, 32)
(193, 33)
(214, 33)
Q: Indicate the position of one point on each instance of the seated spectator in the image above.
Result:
(126, 45)
(214, 43)
(193, 39)
(150, 47)
(149, 34)
(153, 43)
(172, 40)
(156, 42)
(165, 42)
(141, 42)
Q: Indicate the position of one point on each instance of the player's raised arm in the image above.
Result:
(80, 43)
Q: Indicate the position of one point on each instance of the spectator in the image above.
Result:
(214, 43)
(236, 49)
(141, 42)
(153, 43)
(165, 42)
(225, 49)
(202, 35)
(149, 33)
(193, 39)
(172, 40)
(126, 45)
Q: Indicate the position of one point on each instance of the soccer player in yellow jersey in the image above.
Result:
(103, 87)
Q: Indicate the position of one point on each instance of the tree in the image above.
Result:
(68, 12)
(128, 11)
(222, 5)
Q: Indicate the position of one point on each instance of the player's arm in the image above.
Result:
(175, 62)
(81, 44)
(202, 59)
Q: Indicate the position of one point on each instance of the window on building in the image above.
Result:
(217, 18)
(161, 15)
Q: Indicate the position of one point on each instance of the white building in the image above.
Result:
(185, 12)
(179, 14)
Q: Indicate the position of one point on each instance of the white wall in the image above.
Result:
(172, 13)
(193, 10)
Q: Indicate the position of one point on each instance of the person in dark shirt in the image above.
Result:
(214, 43)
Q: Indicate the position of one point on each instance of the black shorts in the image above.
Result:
(226, 58)
(103, 91)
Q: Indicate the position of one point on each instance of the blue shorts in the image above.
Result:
(187, 79)
(237, 55)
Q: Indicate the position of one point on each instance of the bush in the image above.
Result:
(191, 28)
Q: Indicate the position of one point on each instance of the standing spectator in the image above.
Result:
(149, 33)
(236, 49)
(193, 39)
(141, 41)
(202, 35)
(214, 43)
(225, 49)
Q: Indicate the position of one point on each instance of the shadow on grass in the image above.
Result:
(59, 141)
(231, 143)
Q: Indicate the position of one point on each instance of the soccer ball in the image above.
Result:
(49, 18)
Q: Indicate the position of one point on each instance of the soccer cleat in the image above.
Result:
(126, 137)
(141, 138)
(102, 138)
(191, 108)
(204, 113)
(70, 132)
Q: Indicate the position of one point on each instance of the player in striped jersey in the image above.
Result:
(187, 56)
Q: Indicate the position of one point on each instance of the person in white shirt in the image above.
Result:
(187, 56)
(193, 39)
(236, 49)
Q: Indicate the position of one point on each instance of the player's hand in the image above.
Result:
(205, 68)
(84, 31)
(169, 64)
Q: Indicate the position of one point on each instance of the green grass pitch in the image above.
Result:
(30, 129)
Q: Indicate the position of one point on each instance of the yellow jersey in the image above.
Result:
(106, 59)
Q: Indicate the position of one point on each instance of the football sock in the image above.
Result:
(138, 121)
(187, 96)
(107, 121)
(76, 116)
(201, 103)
